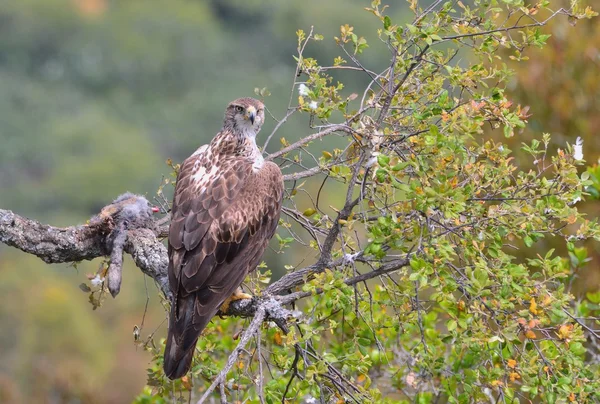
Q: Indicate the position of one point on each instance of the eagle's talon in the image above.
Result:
(237, 295)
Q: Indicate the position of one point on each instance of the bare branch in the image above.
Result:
(86, 242)
(310, 138)
(506, 29)
(259, 316)
(82, 243)
(52, 244)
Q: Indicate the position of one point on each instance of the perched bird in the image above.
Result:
(225, 210)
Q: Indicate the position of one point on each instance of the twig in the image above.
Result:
(245, 338)
(289, 113)
(294, 370)
(505, 29)
(261, 393)
(310, 138)
(222, 393)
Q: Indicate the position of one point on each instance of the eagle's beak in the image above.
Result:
(251, 114)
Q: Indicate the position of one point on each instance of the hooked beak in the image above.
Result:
(251, 114)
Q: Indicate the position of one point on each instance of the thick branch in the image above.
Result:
(150, 256)
(52, 244)
(86, 242)
(55, 245)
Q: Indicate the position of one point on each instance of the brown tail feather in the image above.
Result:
(185, 326)
(177, 361)
(181, 338)
(189, 315)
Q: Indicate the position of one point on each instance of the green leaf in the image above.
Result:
(84, 287)
(387, 22)
(593, 297)
(451, 325)
(309, 212)
(383, 160)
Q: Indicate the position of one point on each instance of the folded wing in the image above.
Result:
(221, 224)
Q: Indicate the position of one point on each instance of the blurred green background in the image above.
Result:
(95, 95)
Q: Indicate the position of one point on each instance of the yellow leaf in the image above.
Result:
(533, 306)
(564, 332)
(547, 300)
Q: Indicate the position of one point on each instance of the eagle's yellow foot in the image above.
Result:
(237, 295)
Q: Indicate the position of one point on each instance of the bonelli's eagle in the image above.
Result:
(225, 210)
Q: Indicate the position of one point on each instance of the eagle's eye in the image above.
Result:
(239, 109)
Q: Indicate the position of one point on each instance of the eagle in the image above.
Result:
(225, 210)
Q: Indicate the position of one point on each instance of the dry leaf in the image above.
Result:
(277, 338)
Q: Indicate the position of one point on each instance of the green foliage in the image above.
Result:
(468, 308)
(471, 304)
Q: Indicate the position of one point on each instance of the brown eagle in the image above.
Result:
(225, 210)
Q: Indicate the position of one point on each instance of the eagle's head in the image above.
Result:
(245, 116)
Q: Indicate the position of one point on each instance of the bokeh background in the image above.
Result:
(95, 96)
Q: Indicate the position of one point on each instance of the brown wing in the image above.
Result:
(216, 238)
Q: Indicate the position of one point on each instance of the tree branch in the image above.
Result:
(85, 242)
(55, 245)
(259, 316)
(310, 138)
(52, 244)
